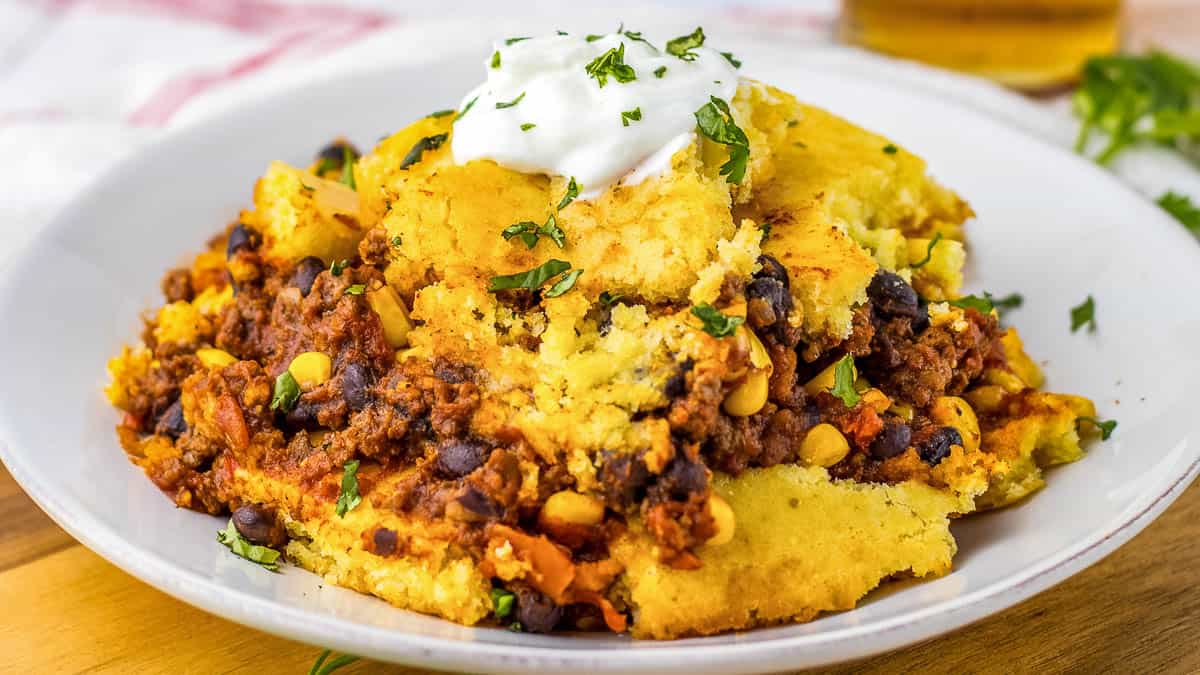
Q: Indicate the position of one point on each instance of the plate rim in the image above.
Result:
(833, 646)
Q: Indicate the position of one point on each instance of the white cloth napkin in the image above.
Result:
(83, 83)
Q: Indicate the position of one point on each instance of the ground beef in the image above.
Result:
(177, 285)
(376, 248)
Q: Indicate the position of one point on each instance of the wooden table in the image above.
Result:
(67, 610)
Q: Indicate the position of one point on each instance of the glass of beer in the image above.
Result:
(1032, 45)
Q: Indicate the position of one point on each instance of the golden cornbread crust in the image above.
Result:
(607, 457)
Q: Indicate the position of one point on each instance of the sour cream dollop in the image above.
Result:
(578, 129)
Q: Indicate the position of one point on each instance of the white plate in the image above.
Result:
(1051, 226)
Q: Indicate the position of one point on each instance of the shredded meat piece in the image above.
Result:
(177, 285)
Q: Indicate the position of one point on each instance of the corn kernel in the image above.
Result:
(215, 358)
(953, 411)
(824, 380)
(902, 410)
(759, 357)
(722, 514)
(571, 507)
(750, 396)
(987, 398)
(876, 400)
(311, 369)
(824, 446)
(390, 308)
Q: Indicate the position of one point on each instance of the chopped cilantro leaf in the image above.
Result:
(1010, 301)
(983, 305)
(611, 63)
(336, 267)
(928, 252)
(714, 322)
(527, 126)
(396, 241)
(792, 123)
(502, 602)
(682, 45)
(496, 59)
(442, 113)
(716, 122)
(843, 382)
(500, 105)
(1084, 314)
(340, 661)
(731, 59)
(1106, 427)
(660, 71)
(355, 289)
(634, 115)
(264, 556)
(564, 284)
(572, 193)
(1181, 207)
(348, 168)
(609, 299)
(766, 232)
(465, 109)
(529, 232)
(890, 149)
(418, 149)
(593, 38)
(348, 498)
(532, 279)
(286, 393)
(513, 41)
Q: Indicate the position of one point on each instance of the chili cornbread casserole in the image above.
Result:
(714, 374)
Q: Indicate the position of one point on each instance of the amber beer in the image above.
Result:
(1029, 44)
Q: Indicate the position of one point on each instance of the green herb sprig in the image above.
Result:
(264, 556)
(1106, 427)
(1183, 210)
(530, 232)
(928, 252)
(844, 375)
(532, 279)
(348, 498)
(714, 322)
(1084, 314)
(634, 115)
(428, 143)
(286, 392)
(611, 64)
(683, 45)
(570, 195)
(715, 121)
(503, 603)
(340, 661)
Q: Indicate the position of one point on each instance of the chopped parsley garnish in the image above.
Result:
(355, 289)
(529, 232)
(637, 36)
(660, 71)
(792, 123)
(983, 305)
(515, 627)
(1181, 207)
(731, 59)
(496, 59)
(264, 556)
(682, 45)
(336, 267)
(564, 284)
(572, 193)
(396, 241)
(340, 661)
(928, 252)
(527, 126)
(1106, 427)
(306, 186)
(766, 232)
(609, 299)
(348, 168)
(1135, 99)
(890, 149)
(348, 498)
(611, 63)
(715, 323)
(716, 122)
(287, 392)
(1010, 301)
(500, 105)
(470, 104)
(628, 115)
(418, 149)
(532, 280)
(502, 602)
(843, 382)
(442, 113)
(512, 41)
(593, 38)
(1084, 314)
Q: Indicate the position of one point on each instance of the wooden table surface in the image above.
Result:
(68, 610)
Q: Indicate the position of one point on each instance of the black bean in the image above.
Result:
(623, 478)
(810, 415)
(459, 457)
(171, 422)
(892, 441)
(385, 541)
(256, 524)
(476, 502)
(682, 477)
(891, 296)
(676, 385)
(240, 237)
(937, 447)
(535, 612)
(357, 381)
(921, 321)
(772, 269)
(306, 273)
(335, 152)
(303, 416)
(774, 295)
